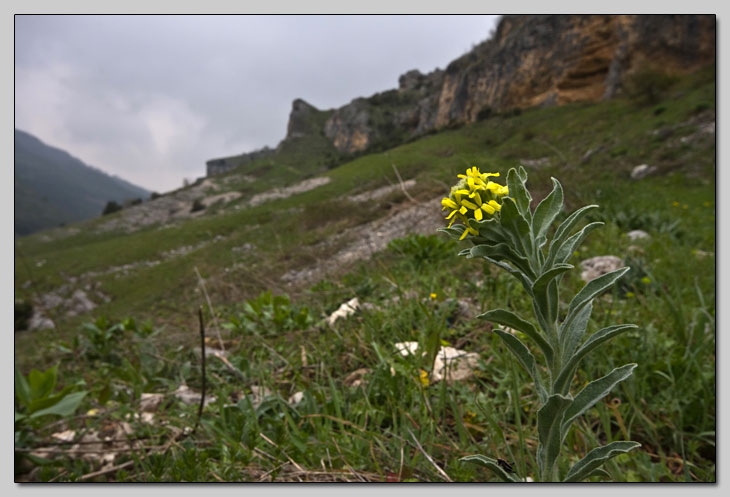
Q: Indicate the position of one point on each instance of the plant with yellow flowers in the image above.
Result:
(503, 230)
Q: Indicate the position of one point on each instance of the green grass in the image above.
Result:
(341, 432)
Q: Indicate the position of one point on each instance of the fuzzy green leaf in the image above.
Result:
(566, 250)
(525, 357)
(595, 391)
(517, 191)
(591, 290)
(503, 251)
(547, 211)
(548, 306)
(454, 232)
(516, 224)
(492, 464)
(562, 382)
(595, 458)
(526, 282)
(563, 231)
(507, 318)
(572, 334)
(549, 423)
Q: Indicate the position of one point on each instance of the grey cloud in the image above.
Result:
(150, 98)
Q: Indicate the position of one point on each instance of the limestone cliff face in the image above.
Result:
(531, 60)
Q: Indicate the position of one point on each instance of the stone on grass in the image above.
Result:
(345, 310)
(597, 266)
(642, 171)
(638, 235)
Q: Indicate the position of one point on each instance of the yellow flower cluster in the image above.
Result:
(474, 197)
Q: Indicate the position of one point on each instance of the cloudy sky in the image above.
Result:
(151, 98)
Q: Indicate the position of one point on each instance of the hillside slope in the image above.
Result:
(52, 187)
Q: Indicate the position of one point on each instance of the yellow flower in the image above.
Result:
(630, 295)
(433, 296)
(646, 280)
(424, 378)
(474, 197)
(675, 203)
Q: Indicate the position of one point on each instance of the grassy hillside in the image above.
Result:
(382, 427)
(52, 187)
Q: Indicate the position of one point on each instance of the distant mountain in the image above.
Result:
(52, 187)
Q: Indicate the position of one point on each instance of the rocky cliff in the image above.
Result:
(531, 60)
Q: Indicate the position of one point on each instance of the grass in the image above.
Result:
(390, 426)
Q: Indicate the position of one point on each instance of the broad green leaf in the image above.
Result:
(540, 290)
(572, 334)
(591, 290)
(22, 389)
(65, 407)
(596, 458)
(503, 251)
(549, 423)
(492, 464)
(566, 250)
(507, 318)
(525, 357)
(593, 392)
(518, 192)
(490, 231)
(562, 382)
(42, 384)
(516, 225)
(547, 211)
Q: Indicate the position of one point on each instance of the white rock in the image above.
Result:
(638, 235)
(191, 397)
(151, 401)
(642, 171)
(296, 398)
(345, 310)
(451, 364)
(602, 264)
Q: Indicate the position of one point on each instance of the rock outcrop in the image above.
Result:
(531, 60)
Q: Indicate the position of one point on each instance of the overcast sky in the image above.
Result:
(151, 98)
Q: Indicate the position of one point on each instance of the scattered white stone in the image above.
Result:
(151, 401)
(39, 322)
(65, 436)
(638, 235)
(642, 171)
(221, 197)
(279, 193)
(188, 396)
(296, 398)
(543, 161)
(345, 310)
(381, 192)
(597, 266)
(451, 363)
(258, 394)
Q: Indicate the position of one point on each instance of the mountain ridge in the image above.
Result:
(53, 187)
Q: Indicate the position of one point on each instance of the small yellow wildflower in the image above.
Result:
(646, 280)
(675, 203)
(474, 197)
(433, 296)
(92, 412)
(424, 378)
(630, 295)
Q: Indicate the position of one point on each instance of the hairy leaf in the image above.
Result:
(525, 357)
(595, 458)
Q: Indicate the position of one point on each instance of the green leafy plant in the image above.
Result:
(515, 239)
(35, 398)
(268, 314)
